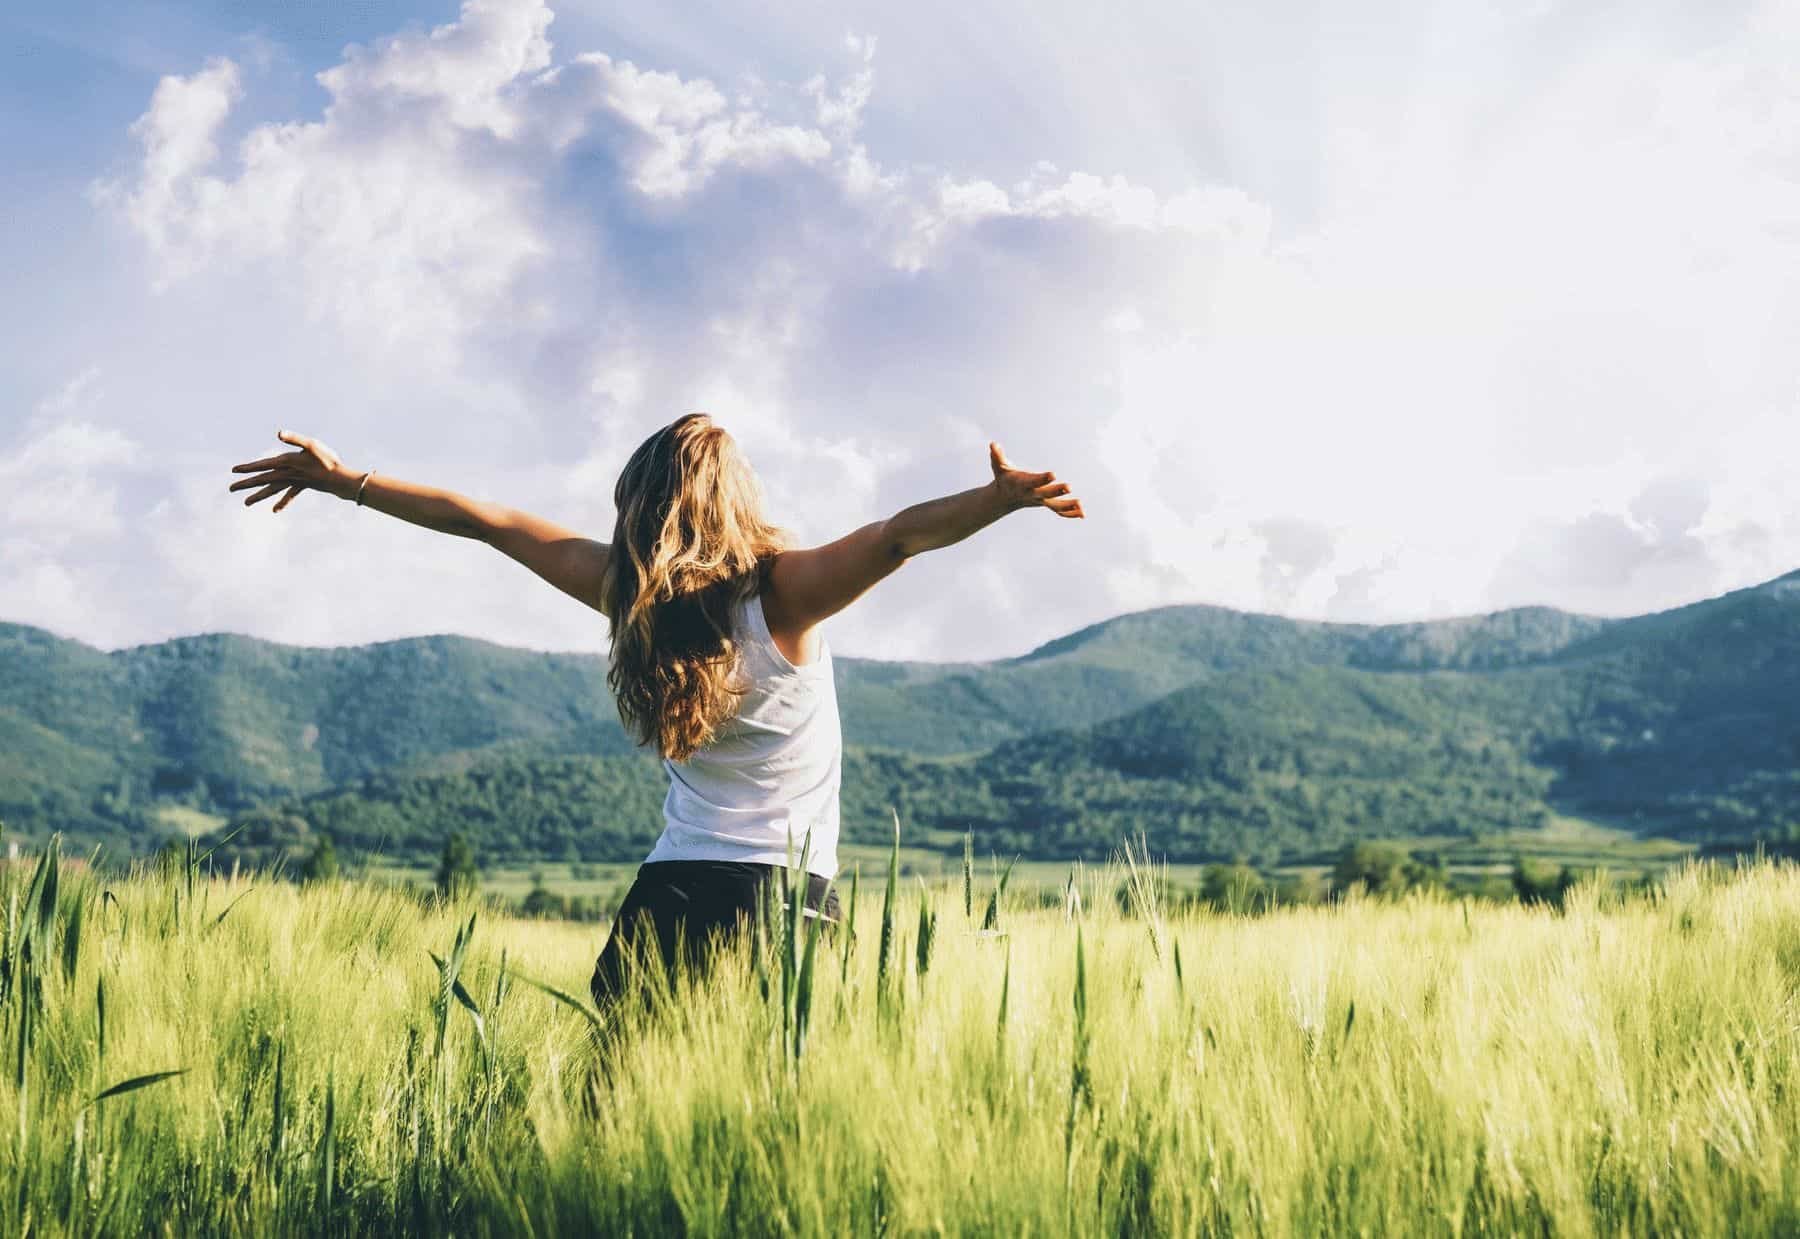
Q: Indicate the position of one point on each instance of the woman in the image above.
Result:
(717, 660)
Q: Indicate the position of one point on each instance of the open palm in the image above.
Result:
(312, 467)
(1023, 489)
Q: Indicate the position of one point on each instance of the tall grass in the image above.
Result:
(334, 1059)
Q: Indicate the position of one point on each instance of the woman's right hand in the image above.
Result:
(809, 585)
(1021, 488)
(313, 467)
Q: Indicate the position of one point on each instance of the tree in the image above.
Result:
(1539, 881)
(322, 865)
(263, 838)
(1378, 866)
(457, 875)
(1301, 888)
(1425, 869)
(542, 902)
(1235, 887)
(170, 856)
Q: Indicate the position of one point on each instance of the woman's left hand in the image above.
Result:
(313, 467)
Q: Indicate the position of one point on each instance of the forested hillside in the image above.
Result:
(1215, 733)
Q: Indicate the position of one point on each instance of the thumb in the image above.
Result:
(311, 447)
(996, 457)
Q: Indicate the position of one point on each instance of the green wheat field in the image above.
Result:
(352, 1061)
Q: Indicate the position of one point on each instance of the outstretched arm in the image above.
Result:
(561, 556)
(806, 586)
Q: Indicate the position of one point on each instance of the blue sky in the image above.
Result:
(1430, 309)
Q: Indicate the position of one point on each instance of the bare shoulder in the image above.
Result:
(775, 591)
(809, 585)
(794, 632)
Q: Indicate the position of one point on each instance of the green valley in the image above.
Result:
(1212, 734)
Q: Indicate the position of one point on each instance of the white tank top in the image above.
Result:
(775, 765)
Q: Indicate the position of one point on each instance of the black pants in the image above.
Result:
(691, 907)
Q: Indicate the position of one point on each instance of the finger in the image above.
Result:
(250, 466)
(1050, 489)
(307, 444)
(262, 494)
(1069, 506)
(261, 479)
(287, 498)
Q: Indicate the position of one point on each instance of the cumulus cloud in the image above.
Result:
(1355, 596)
(1294, 550)
(178, 136)
(1419, 354)
(1653, 550)
(61, 526)
(57, 486)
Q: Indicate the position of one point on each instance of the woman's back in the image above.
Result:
(773, 767)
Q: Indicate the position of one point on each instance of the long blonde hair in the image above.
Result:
(690, 543)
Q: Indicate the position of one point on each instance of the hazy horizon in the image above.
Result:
(852, 654)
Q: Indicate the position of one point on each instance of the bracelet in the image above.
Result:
(361, 484)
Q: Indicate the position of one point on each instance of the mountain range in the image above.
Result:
(1213, 732)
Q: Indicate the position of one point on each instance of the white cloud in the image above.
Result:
(1654, 550)
(178, 135)
(685, 130)
(1394, 337)
(79, 391)
(56, 487)
(1294, 550)
(60, 520)
(465, 72)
